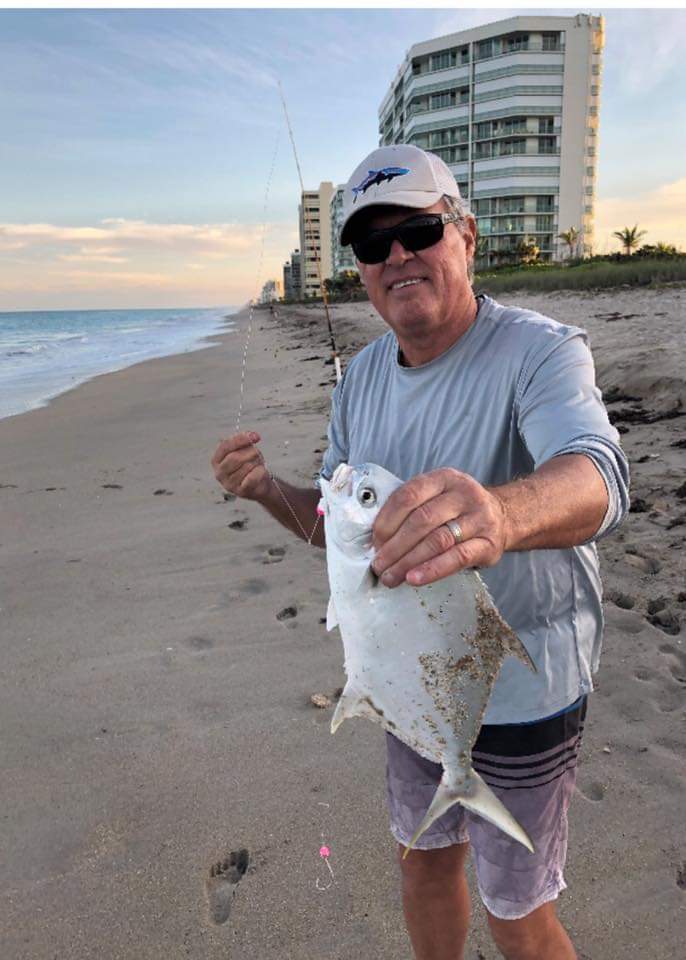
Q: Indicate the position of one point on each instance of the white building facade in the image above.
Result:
(512, 107)
(315, 238)
(342, 258)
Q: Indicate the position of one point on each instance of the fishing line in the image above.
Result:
(257, 282)
(308, 537)
(308, 229)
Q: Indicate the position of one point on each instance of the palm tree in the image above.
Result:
(570, 237)
(629, 238)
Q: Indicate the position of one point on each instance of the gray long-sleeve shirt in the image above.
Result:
(514, 391)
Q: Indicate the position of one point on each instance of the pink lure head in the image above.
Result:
(324, 852)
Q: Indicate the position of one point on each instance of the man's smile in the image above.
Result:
(407, 282)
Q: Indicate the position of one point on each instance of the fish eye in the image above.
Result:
(366, 497)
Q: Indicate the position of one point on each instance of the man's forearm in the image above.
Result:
(561, 504)
(303, 502)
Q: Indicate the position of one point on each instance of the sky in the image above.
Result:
(145, 161)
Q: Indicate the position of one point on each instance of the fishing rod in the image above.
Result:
(308, 229)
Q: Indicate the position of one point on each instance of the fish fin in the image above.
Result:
(513, 646)
(346, 707)
(477, 796)
(369, 581)
(331, 615)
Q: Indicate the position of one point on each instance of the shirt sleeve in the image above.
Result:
(560, 411)
(337, 433)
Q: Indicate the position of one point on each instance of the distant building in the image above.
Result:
(296, 277)
(315, 238)
(271, 291)
(342, 258)
(512, 108)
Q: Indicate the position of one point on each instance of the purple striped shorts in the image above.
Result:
(532, 769)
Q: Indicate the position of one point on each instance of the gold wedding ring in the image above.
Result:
(455, 529)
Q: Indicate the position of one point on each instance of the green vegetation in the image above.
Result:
(649, 266)
(629, 238)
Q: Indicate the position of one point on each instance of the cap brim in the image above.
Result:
(416, 199)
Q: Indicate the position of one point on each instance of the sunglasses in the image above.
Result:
(414, 234)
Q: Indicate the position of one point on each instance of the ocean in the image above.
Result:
(45, 353)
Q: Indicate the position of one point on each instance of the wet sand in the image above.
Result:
(161, 644)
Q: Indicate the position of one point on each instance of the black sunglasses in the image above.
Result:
(416, 233)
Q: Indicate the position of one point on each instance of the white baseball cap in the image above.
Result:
(402, 176)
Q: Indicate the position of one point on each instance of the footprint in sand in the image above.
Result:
(287, 613)
(238, 524)
(222, 883)
(644, 564)
(275, 555)
(594, 792)
(199, 643)
(111, 486)
(162, 492)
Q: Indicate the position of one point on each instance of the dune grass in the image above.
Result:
(588, 275)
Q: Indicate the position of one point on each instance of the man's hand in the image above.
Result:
(412, 541)
(239, 467)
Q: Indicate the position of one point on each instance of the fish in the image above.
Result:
(377, 177)
(419, 660)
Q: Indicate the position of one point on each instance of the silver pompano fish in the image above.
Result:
(421, 661)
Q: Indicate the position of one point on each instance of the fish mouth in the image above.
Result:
(365, 539)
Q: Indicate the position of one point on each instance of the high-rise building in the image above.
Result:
(315, 235)
(291, 277)
(342, 258)
(512, 108)
(271, 290)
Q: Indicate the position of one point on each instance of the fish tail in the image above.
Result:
(474, 794)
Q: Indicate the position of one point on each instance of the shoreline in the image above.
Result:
(198, 344)
(155, 698)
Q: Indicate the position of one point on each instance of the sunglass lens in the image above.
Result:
(419, 236)
(373, 249)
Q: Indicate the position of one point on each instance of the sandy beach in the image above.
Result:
(161, 644)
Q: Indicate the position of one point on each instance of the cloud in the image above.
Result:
(118, 262)
(214, 240)
(660, 212)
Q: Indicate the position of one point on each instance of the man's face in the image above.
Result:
(440, 290)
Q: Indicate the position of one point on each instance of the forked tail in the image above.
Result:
(476, 796)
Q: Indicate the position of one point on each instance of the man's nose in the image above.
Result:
(398, 255)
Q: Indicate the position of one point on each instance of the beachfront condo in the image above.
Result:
(315, 238)
(512, 108)
(342, 258)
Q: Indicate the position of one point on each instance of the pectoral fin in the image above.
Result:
(331, 615)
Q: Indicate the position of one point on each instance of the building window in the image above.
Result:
(545, 204)
(443, 60)
(545, 125)
(484, 49)
(517, 41)
(590, 171)
(551, 41)
(547, 145)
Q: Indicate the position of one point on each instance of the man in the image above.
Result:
(492, 417)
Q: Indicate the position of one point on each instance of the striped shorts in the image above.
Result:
(532, 769)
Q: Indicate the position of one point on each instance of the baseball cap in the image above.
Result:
(401, 175)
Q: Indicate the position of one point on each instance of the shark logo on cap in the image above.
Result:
(375, 177)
